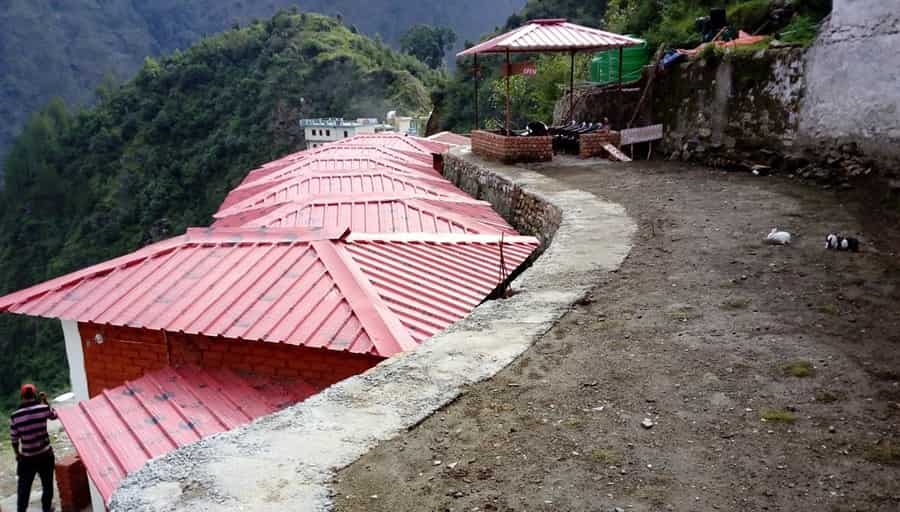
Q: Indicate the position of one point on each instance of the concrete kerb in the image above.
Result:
(285, 461)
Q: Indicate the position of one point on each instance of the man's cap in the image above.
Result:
(28, 389)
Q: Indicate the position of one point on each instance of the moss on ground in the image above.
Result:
(884, 453)
(607, 456)
(800, 369)
(778, 416)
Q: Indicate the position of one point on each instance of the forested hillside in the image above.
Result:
(159, 153)
(66, 47)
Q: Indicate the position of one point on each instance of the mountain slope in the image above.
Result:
(66, 47)
(159, 153)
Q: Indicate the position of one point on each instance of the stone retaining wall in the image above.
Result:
(528, 213)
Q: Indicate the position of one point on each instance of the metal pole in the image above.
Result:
(507, 93)
(621, 100)
(572, 88)
(620, 68)
(475, 76)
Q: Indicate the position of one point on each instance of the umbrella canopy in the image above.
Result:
(552, 35)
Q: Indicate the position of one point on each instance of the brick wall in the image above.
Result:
(124, 354)
(72, 482)
(512, 149)
(591, 144)
(128, 353)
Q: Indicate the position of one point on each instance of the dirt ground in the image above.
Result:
(770, 374)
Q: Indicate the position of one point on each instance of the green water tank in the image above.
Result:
(605, 65)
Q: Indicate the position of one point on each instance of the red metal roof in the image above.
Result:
(429, 285)
(554, 35)
(398, 141)
(450, 138)
(336, 164)
(118, 431)
(353, 153)
(378, 213)
(319, 184)
(293, 286)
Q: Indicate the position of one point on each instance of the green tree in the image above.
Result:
(428, 44)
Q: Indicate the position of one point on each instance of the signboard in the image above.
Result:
(642, 134)
(520, 68)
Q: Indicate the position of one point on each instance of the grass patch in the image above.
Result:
(749, 16)
(573, 423)
(827, 397)
(800, 369)
(606, 456)
(778, 415)
(829, 309)
(801, 30)
(735, 304)
(884, 453)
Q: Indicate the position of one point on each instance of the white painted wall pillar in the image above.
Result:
(75, 356)
(97, 504)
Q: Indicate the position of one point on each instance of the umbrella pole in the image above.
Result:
(621, 56)
(507, 93)
(475, 76)
(572, 88)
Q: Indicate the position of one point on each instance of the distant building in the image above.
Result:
(407, 125)
(322, 131)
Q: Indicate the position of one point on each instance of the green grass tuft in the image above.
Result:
(801, 30)
(825, 396)
(885, 453)
(777, 415)
(799, 369)
(749, 16)
(606, 456)
(829, 309)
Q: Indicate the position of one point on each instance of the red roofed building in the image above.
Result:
(319, 266)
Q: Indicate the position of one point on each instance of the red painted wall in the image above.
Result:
(128, 353)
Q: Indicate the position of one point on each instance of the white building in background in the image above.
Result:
(406, 124)
(322, 131)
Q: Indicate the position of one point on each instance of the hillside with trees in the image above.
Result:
(158, 154)
(67, 48)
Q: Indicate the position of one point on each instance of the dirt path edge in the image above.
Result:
(286, 460)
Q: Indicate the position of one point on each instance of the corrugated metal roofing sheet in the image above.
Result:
(553, 35)
(118, 431)
(452, 139)
(332, 164)
(429, 285)
(320, 184)
(398, 141)
(350, 152)
(378, 214)
(293, 286)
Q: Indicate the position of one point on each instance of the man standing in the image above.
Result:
(31, 444)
